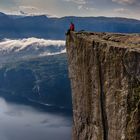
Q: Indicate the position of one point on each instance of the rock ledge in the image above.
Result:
(104, 69)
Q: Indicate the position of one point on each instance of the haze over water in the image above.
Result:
(22, 122)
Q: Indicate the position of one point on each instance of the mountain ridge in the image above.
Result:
(42, 26)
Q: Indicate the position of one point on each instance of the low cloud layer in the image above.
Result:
(30, 47)
(16, 119)
(9, 45)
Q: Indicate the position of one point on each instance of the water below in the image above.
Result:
(24, 122)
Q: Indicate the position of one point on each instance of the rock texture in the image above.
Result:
(104, 69)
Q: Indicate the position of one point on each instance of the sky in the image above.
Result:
(60, 8)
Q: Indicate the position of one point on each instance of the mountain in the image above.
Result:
(42, 26)
(6, 26)
(34, 71)
(42, 81)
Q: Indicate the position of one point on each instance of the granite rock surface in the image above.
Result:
(104, 69)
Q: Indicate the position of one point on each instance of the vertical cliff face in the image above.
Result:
(105, 78)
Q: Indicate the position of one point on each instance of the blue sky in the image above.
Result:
(111, 8)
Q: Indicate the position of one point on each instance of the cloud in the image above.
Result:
(22, 44)
(83, 7)
(72, 7)
(79, 2)
(128, 2)
(90, 9)
(121, 11)
(28, 8)
(80, 7)
(83, 4)
(30, 47)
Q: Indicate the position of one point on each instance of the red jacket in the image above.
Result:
(72, 27)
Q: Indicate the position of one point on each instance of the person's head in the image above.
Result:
(71, 22)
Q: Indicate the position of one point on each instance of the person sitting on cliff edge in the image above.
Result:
(72, 28)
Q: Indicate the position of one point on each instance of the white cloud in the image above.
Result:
(28, 8)
(61, 8)
(130, 2)
(86, 8)
(80, 7)
(90, 9)
(21, 44)
(121, 10)
(31, 47)
(80, 2)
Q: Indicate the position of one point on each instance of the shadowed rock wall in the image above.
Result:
(104, 70)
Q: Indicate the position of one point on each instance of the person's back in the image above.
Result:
(72, 27)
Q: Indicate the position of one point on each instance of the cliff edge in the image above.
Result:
(104, 70)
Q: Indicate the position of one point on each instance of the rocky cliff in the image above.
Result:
(104, 69)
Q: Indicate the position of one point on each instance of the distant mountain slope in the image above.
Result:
(45, 81)
(55, 28)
